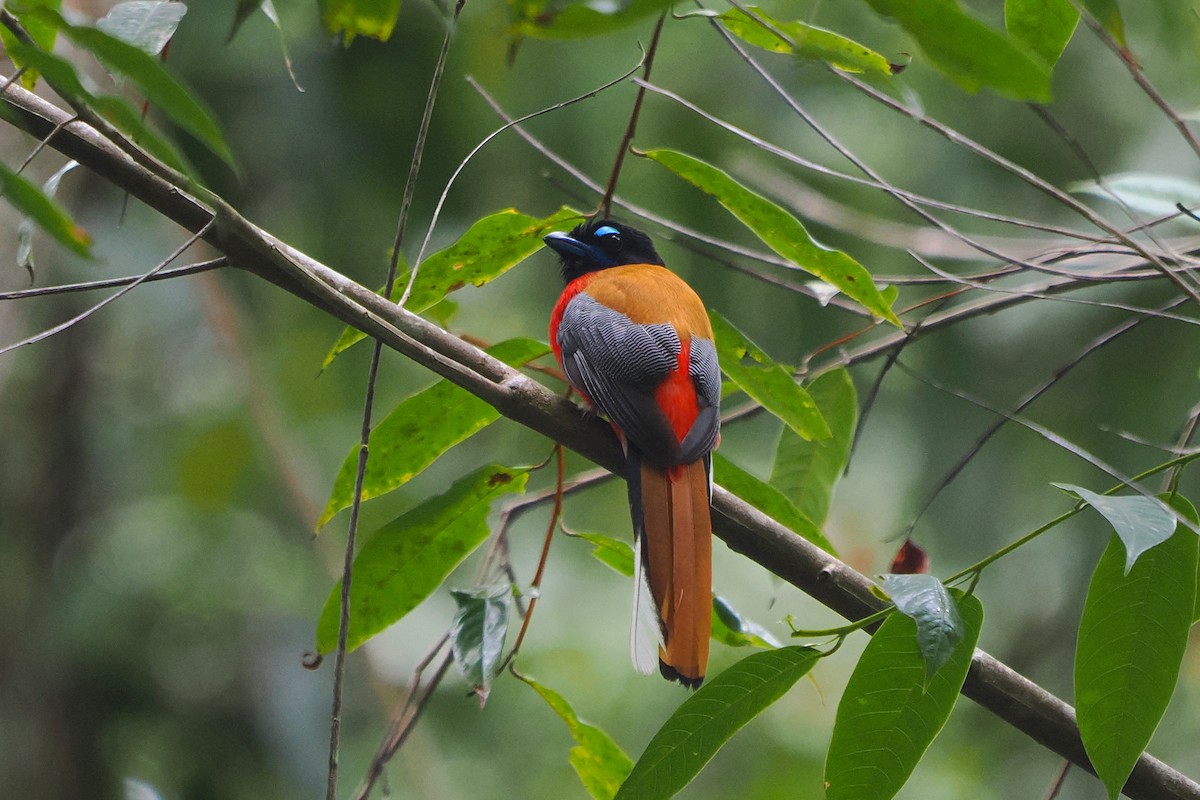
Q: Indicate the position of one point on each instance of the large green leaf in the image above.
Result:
(599, 761)
(45, 213)
(419, 430)
(477, 635)
(1141, 522)
(403, 562)
(145, 24)
(150, 77)
(1132, 638)
(580, 20)
(350, 18)
(1044, 25)
(491, 247)
(767, 499)
(767, 382)
(707, 719)
(780, 231)
(807, 471)
(806, 41)
(889, 715)
(932, 607)
(969, 52)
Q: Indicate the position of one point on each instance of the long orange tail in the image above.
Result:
(675, 562)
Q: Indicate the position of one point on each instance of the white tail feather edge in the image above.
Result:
(645, 636)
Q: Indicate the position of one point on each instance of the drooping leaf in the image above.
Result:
(48, 215)
(491, 247)
(150, 77)
(767, 499)
(403, 562)
(707, 719)
(477, 635)
(26, 228)
(929, 603)
(731, 628)
(1132, 638)
(1108, 14)
(1153, 195)
(599, 761)
(582, 20)
(889, 715)
(1140, 521)
(779, 230)
(615, 553)
(349, 18)
(1044, 25)
(145, 24)
(807, 471)
(969, 52)
(767, 382)
(419, 430)
(807, 42)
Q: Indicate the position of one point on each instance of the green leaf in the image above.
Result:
(599, 761)
(767, 499)
(419, 430)
(241, 13)
(807, 471)
(1154, 195)
(150, 77)
(491, 247)
(888, 715)
(731, 628)
(43, 36)
(615, 553)
(26, 227)
(48, 215)
(403, 562)
(969, 52)
(1044, 25)
(939, 624)
(581, 20)
(350, 18)
(477, 635)
(765, 381)
(145, 24)
(1132, 638)
(806, 41)
(1140, 521)
(1108, 14)
(707, 719)
(779, 230)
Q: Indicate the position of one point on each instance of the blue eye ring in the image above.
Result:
(607, 231)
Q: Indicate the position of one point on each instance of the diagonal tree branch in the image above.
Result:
(1015, 699)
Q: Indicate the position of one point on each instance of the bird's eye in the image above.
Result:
(608, 233)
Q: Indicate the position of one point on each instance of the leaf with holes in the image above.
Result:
(477, 635)
(599, 761)
(767, 382)
(969, 52)
(419, 430)
(1132, 638)
(927, 601)
(779, 230)
(1044, 25)
(145, 24)
(767, 499)
(889, 714)
(403, 562)
(707, 719)
(807, 471)
(1140, 521)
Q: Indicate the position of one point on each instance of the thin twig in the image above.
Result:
(1059, 780)
(87, 286)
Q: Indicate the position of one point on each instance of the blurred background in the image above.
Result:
(163, 463)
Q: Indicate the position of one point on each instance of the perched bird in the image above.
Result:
(635, 341)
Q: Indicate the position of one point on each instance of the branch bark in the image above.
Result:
(1012, 697)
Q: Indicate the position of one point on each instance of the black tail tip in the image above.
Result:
(672, 674)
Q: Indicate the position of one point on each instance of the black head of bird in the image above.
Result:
(599, 244)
